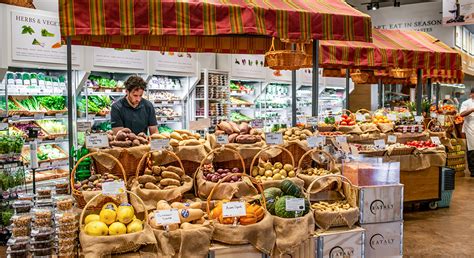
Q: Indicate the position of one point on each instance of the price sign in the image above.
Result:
(433, 115)
(167, 217)
(294, 204)
(341, 139)
(354, 151)
(84, 126)
(316, 141)
(164, 119)
(392, 139)
(113, 188)
(435, 140)
(405, 129)
(257, 123)
(200, 124)
(418, 119)
(274, 138)
(312, 120)
(379, 144)
(441, 119)
(233, 209)
(164, 102)
(97, 140)
(33, 132)
(38, 116)
(15, 117)
(360, 117)
(392, 117)
(59, 116)
(159, 144)
(222, 139)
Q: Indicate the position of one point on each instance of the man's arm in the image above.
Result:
(153, 129)
(152, 122)
(116, 119)
(467, 112)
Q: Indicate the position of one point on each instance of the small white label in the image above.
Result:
(392, 139)
(164, 119)
(354, 151)
(113, 188)
(59, 116)
(313, 120)
(405, 129)
(159, 144)
(167, 217)
(257, 123)
(97, 140)
(38, 116)
(233, 209)
(341, 139)
(108, 91)
(441, 119)
(413, 129)
(222, 139)
(15, 117)
(379, 144)
(316, 141)
(435, 140)
(107, 116)
(274, 138)
(392, 117)
(360, 117)
(3, 126)
(295, 204)
(418, 119)
(84, 126)
(164, 102)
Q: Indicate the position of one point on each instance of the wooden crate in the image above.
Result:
(381, 203)
(383, 239)
(340, 242)
(421, 185)
(218, 250)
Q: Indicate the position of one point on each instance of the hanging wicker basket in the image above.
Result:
(359, 77)
(285, 59)
(401, 73)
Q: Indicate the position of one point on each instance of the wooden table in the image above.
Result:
(421, 185)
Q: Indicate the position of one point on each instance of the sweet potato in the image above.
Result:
(132, 136)
(235, 127)
(174, 143)
(148, 171)
(244, 128)
(197, 136)
(170, 187)
(119, 144)
(151, 186)
(142, 134)
(126, 130)
(176, 136)
(248, 139)
(111, 138)
(184, 132)
(219, 132)
(226, 127)
(232, 137)
(169, 174)
(136, 142)
(188, 215)
(142, 140)
(121, 136)
(157, 136)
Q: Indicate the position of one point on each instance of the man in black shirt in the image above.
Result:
(133, 111)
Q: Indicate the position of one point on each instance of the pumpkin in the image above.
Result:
(280, 208)
(290, 188)
(271, 195)
(255, 210)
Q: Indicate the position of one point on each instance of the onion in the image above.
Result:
(235, 170)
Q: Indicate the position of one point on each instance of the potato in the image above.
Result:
(136, 142)
(307, 132)
(177, 136)
(146, 178)
(185, 136)
(197, 136)
(156, 136)
(202, 141)
(121, 136)
(132, 136)
(151, 186)
(182, 132)
(142, 140)
(176, 170)
(190, 142)
(226, 127)
(244, 128)
(170, 187)
(156, 170)
(174, 143)
(169, 174)
(232, 137)
(148, 171)
(169, 181)
(235, 127)
(126, 130)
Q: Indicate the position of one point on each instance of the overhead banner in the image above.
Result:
(458, 12)
(36, 38)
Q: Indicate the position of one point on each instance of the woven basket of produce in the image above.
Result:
(86, 190)
(348, 124)
(119, 230)
(341, 209)
(400, 73)
(285, 59)
(191, 237)
(436, 129)
(255, 228)
(326, 128)
(210, 173)
(359, 77)
(399, 149)
(321, 163)
(270, 174)
(157, 180)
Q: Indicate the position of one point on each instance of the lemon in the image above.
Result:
(108, 216)
(110, 205)
(117, 228)
(125, 213)
(96, 228)
(135, 226)
(91, 217)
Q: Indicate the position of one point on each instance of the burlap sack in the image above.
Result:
(369, 127)
(99, 246)
(349, 129)
(291, 233)
(261, 234)
(129, 157)
(325, 219)
(101, 200)
(245, 150)
(386, 127)
(150, 197)
(226, 191)
(194, 153)
(418, 161)
(183, 243)
(307, 179)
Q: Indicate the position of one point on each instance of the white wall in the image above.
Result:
(46, 5)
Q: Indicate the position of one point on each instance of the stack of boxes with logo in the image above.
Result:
(381, 205)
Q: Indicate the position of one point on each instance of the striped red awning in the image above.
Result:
(390, 49)
(225, 26)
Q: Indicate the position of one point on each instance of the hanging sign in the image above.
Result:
(249, 66)
(174, 62)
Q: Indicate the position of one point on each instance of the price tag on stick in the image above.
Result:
(222, 139)
(233, 209)
(312, 120)
(167, 217)
(392, 139)
(113, 188)
(274, 138)
(392, 117)
(159, 144)
(316, 141)
(379, 144)
(295, 204)
(418, 119)
(435, 140)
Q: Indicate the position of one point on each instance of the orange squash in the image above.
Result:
(248, 220)
(257, 210)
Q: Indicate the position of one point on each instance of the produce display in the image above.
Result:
(449, 109)
(380, 119)
(95, 105)
(237, 117)
(53, 102)
(346, 120)
(180, 138)
(240, 86)
(94, 182)
(126, 138)
(242, 133)
(113, 220)
(31, 104)
(336, 206)
(166, 112)
(316, 172)
(295, 133)
(24, 127)
(190, 214)
(53, 127)
(330, 133)
(51, 152)
(161, 177)
(210, 173)
(164, 82)
(277, 171)
(421, 144)
(254, 214)
(276, 200)
(95, 82)
(162, 96)
(238, 101)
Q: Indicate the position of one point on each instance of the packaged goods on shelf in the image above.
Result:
(164, 82)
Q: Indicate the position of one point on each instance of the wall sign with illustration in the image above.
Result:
(458, 12)
(248, 66)
(174, 61)
(36, 38)
(120, 58)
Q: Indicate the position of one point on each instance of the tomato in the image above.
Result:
(352, 123)
(343, 123)
(344, 116)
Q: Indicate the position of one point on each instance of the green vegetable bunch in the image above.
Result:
(6, 216)
(53, 102)
(165, 129)
(11, 144)
(11, 179)
(12, 106)
(31, 104)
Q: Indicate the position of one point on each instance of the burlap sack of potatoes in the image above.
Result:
(261, 234)
(369, 127)
(101, 200)
(183, 243)
(386, 127)
(226, 191)
(150, 197)
(349, 129)
(291, 233)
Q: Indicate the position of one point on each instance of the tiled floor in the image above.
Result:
(445, 232)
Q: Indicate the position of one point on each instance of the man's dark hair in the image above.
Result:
(135, 82)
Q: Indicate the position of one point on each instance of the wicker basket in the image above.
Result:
(363, 111)
(359, 77)
(285, 59)
(438, 134)
(302, 164)
(289, 159)
(146, 157)
(401, 151)
(399, 73)
(326, 128)
(373, 153)
(81, 202)
(51, 112)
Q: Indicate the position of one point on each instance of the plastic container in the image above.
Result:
(372, 171)
(18, 243)
(42, 234)
(41, 244)
(61, 233)
(25, 197)
(42, 252)
(67, 220)
(22, 220)
(22, 206)
(17, 253)
(64, 202)
(42, 203)
(20, 231)
(62, 186)
(42, 213)
(43, 192)
(66, 241)
(67, 254)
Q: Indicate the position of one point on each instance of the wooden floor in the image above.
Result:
(445, 232)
